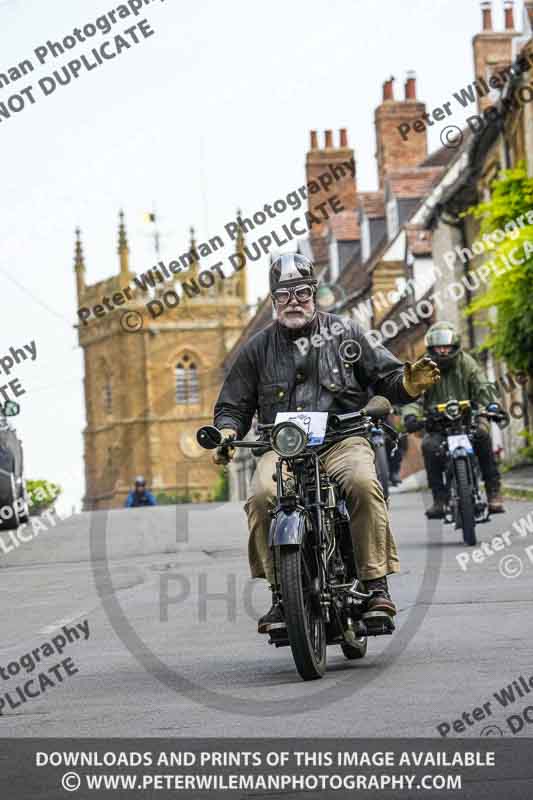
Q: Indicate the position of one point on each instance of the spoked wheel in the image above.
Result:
(305, 622)
(465, 504)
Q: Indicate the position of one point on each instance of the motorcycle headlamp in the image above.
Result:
(453, 409)
(288, 439)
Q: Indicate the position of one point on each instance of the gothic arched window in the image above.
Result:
(187, 387)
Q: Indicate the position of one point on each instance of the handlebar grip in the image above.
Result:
(259, 451)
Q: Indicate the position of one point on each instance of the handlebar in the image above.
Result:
(442, 411)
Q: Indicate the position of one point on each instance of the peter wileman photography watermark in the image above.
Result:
(510, 565)
(166, 272)
(508, 696)
(49, 677)
(175, 589)
(452, 136)
(455, 290)
(10, 540)
(89, 60)
(15, 356)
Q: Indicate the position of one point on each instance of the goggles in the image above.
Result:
(301, 293)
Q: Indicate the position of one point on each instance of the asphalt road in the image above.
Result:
(195, 666)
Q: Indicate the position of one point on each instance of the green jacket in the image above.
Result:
(465, 380)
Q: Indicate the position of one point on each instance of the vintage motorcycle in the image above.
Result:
(14, 509)
(314, 563)
(456, 420)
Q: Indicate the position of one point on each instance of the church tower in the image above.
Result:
(151, 382)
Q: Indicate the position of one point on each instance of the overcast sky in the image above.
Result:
(210, 113)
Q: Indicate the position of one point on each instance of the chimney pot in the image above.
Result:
(343, 137)
(486, 10)
(388, 89)
(410, 86)
(509, 15)
(314, 140)
(329, 138)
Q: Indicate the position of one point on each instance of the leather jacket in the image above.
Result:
(271, 373)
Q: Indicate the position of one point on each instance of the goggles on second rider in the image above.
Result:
(301, 293)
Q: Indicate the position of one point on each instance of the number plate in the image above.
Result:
(460, 440)
(313, 422)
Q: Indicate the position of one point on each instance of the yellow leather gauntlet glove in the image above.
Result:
(420, 376)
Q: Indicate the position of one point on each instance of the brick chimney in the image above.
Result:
(509, 15)
(493, 50)
(332, 161)
(486, 11)
(410, 86)
(392, 151)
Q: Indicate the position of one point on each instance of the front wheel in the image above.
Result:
(303, 614)
(465, 503)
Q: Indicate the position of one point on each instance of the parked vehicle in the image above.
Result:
(14, 509)
(314, 563)
(466, 502)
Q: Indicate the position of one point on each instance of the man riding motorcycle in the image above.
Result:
(272, 374)
(140, 496)
(461, 379)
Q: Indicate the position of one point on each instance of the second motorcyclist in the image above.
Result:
(461, 379)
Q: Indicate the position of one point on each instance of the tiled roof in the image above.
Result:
(373, 204)
(414, 182)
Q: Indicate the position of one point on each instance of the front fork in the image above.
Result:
(316, 510)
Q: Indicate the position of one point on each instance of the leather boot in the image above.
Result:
(494, 499)
(380, 610)
(273, 619)
(437, 510)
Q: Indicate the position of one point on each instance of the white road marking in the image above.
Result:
(59, 624)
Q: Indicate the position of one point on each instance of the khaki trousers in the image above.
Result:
(352, 464)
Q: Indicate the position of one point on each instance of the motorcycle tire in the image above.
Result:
(306, 627)
(382, 470)
(355, 651)
(465, 503)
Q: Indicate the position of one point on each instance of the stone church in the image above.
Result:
(147, 391)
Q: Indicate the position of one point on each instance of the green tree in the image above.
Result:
(164, 499)
(221, 490)
(41, 495)
(511, 330)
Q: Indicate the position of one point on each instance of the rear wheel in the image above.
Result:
(465, 503)
(303, 614)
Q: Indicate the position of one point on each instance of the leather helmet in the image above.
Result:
(291, 269)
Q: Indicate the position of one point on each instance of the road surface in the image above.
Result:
(162, 658)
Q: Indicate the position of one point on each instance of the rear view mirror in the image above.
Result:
(377, 407)
(11, 409)
(209, 437)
